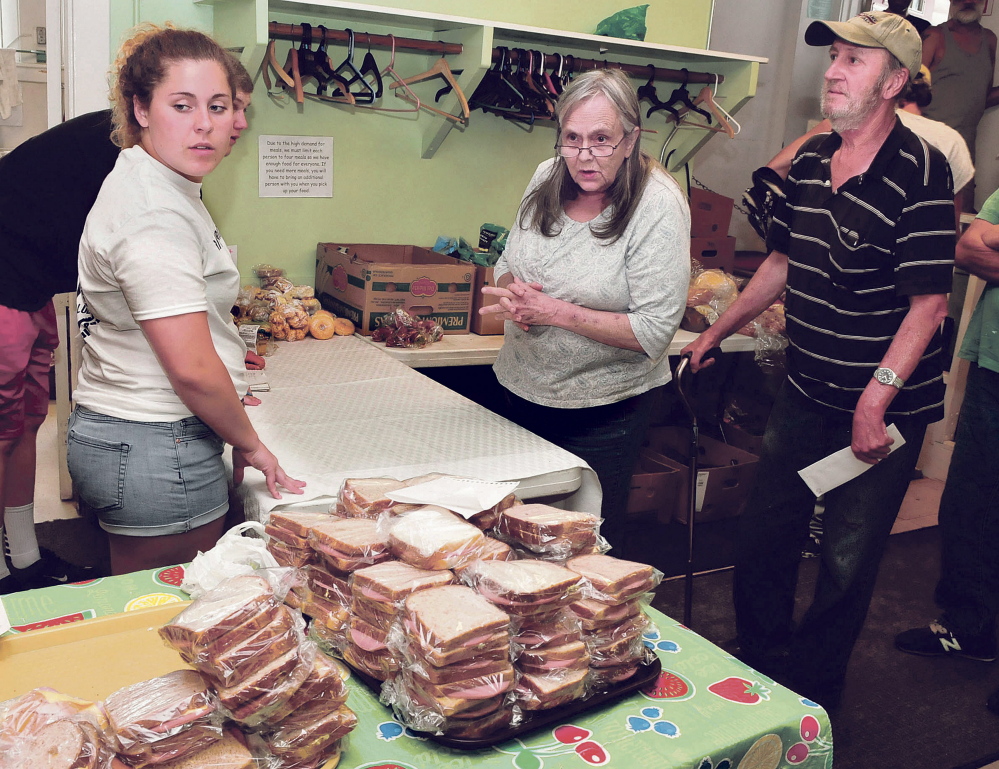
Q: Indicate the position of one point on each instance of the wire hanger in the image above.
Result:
(439, 69)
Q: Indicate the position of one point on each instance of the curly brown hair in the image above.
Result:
(141, 65)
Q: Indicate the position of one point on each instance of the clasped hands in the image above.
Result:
(525, 304)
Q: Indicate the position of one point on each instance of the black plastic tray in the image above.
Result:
(533, 720)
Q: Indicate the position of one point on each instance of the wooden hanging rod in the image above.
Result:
(294, 33)
(636, 70)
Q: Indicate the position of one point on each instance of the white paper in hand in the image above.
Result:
(465, 496)
(841, 466)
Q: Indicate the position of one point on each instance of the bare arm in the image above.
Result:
(766, 286)
(527, 305)
(781, 162)
(933, 48)
(978, 250)
(870, 442)
(992, 95)
(183, 344)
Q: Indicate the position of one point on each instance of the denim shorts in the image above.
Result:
(147, 479)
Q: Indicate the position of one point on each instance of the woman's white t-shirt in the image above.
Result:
(149, 250)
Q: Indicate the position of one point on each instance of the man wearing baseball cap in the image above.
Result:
(862, 247)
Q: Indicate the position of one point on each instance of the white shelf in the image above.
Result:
(242, 24)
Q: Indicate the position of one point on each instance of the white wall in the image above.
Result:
(759, 29)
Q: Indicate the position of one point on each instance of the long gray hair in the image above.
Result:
(542, 208)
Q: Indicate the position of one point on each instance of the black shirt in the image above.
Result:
(855, 257)
(48, 185)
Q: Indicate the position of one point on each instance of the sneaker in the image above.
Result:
(938, 641)
(50, 570)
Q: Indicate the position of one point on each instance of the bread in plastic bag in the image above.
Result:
(434, 538)
(164, 718)
(233, 555)
(523, 587)
(614, 580)
(348, 544)
(549, 531)
(44, 721)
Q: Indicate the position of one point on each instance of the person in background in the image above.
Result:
(961, 55)
(901, 8)
(863, 246)
(47, 186)
(161, 378)
(968, 590)
(593, 282)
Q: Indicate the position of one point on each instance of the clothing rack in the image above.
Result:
(577, 64)
(294, 32)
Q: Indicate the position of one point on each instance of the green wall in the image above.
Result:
(383, 191)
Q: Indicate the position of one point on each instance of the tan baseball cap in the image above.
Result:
(877, 29)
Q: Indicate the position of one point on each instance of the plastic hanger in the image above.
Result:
(440, 69)
(389, 71)
(556, 77)
(546, 80)
(648, 93)
(681, 96)
(323, 65)
(351, 75)
(370, 67)
(497, 92)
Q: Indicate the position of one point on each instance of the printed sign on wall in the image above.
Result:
(295, 166)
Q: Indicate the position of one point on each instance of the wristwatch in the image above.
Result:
(888, 377)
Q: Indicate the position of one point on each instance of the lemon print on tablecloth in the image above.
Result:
(764, 754)
(151, 599)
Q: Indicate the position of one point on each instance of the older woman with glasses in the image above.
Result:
(593, 283)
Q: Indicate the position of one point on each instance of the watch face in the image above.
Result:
(883, 375)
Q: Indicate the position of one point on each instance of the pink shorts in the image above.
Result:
(27, 340)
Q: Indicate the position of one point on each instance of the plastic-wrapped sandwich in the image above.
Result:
(289, 536)
(525, 587)
(46, 728)
(349, 544)
(434, 538)
(164, 718)
(550, 531)
(613, 580)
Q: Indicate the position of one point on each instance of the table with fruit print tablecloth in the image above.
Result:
(706, 710)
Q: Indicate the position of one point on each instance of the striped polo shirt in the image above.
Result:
(854, 258)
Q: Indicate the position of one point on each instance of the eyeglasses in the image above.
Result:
(597, 150)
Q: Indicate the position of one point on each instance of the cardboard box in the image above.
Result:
(655, 486)
(484, 325)
(725, 474)
(367, 282)
(710, 214)
(743, 438)
(714, 253)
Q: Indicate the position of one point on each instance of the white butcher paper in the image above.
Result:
(464, 496)
(841, 466)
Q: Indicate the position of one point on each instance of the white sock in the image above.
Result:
(21, 543)
(4, 571)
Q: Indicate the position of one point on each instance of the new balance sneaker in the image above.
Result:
(50, 570)
(938, 641)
